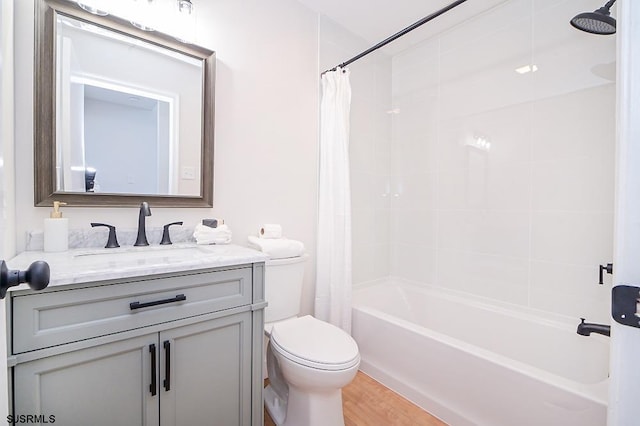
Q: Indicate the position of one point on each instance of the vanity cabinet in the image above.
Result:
(176, 349)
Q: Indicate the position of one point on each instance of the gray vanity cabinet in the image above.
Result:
(195, 361)
(218, 390)
(102, 385)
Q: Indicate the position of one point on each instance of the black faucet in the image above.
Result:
(142, 233)
(585, 328)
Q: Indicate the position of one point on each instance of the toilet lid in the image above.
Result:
(315, 344)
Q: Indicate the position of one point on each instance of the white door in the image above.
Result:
(6, 140)
(624, 392)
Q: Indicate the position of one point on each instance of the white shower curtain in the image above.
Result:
(333, 277)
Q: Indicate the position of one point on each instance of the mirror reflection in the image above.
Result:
(123, 126)
(122, 115)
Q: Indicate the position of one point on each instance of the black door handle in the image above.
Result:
(138, 305)
(153, 386)
(37, 276)
(167, 365)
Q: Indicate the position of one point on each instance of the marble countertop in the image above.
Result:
(89, 265)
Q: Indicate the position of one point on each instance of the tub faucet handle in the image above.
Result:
(608, 268)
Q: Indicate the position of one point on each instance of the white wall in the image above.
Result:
(265, 130)
(529, 220)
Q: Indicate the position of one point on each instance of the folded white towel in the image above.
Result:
(206, 235)
(270, 230)
(277, 248)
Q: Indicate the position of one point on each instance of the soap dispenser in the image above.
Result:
(56, 230)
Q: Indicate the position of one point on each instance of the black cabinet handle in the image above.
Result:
(138, 305)
(153, 386)
(167, 365)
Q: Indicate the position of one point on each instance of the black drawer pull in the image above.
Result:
(138, 305)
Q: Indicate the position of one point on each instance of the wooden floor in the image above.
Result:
(368, 403)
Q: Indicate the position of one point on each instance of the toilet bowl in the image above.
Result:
(309, 362)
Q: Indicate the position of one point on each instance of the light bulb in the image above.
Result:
(185, 6)
(97, 7)
(185, 22)
(143, 15)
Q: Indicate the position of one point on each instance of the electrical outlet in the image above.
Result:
(188, 173)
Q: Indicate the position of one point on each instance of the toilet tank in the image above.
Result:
(283, 279)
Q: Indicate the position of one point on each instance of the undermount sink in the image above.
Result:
(149, 250)
(142, 255)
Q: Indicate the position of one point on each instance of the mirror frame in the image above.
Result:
(45, 111)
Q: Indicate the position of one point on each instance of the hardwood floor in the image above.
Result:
(366, 402)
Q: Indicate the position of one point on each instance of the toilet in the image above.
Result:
(308, 361)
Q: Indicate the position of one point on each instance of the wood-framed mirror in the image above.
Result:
(121, 115)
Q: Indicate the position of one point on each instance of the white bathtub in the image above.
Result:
(473, 363)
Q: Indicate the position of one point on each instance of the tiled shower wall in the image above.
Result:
(369, 147)
(500, 162)
(370, 153)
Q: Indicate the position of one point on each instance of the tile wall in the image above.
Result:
(491, 171)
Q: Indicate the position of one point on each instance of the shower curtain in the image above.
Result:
(333, 276)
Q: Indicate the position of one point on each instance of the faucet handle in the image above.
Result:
(166, 238)
(112, 242)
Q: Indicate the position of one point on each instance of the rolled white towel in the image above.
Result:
(277, 248)
(270, 230)
(206, 235)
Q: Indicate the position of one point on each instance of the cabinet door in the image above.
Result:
(208, 365)
(103, 385)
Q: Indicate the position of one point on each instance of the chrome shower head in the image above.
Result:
(597, 22)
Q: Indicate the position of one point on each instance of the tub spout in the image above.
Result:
(585, 328)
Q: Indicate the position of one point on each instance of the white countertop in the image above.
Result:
(90, 265)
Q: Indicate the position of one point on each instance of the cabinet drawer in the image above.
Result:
(41, 320)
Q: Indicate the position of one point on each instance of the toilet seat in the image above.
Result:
(315, 344)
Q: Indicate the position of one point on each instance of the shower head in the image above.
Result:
(597, 22)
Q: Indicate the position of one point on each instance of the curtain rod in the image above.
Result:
(398, 34)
